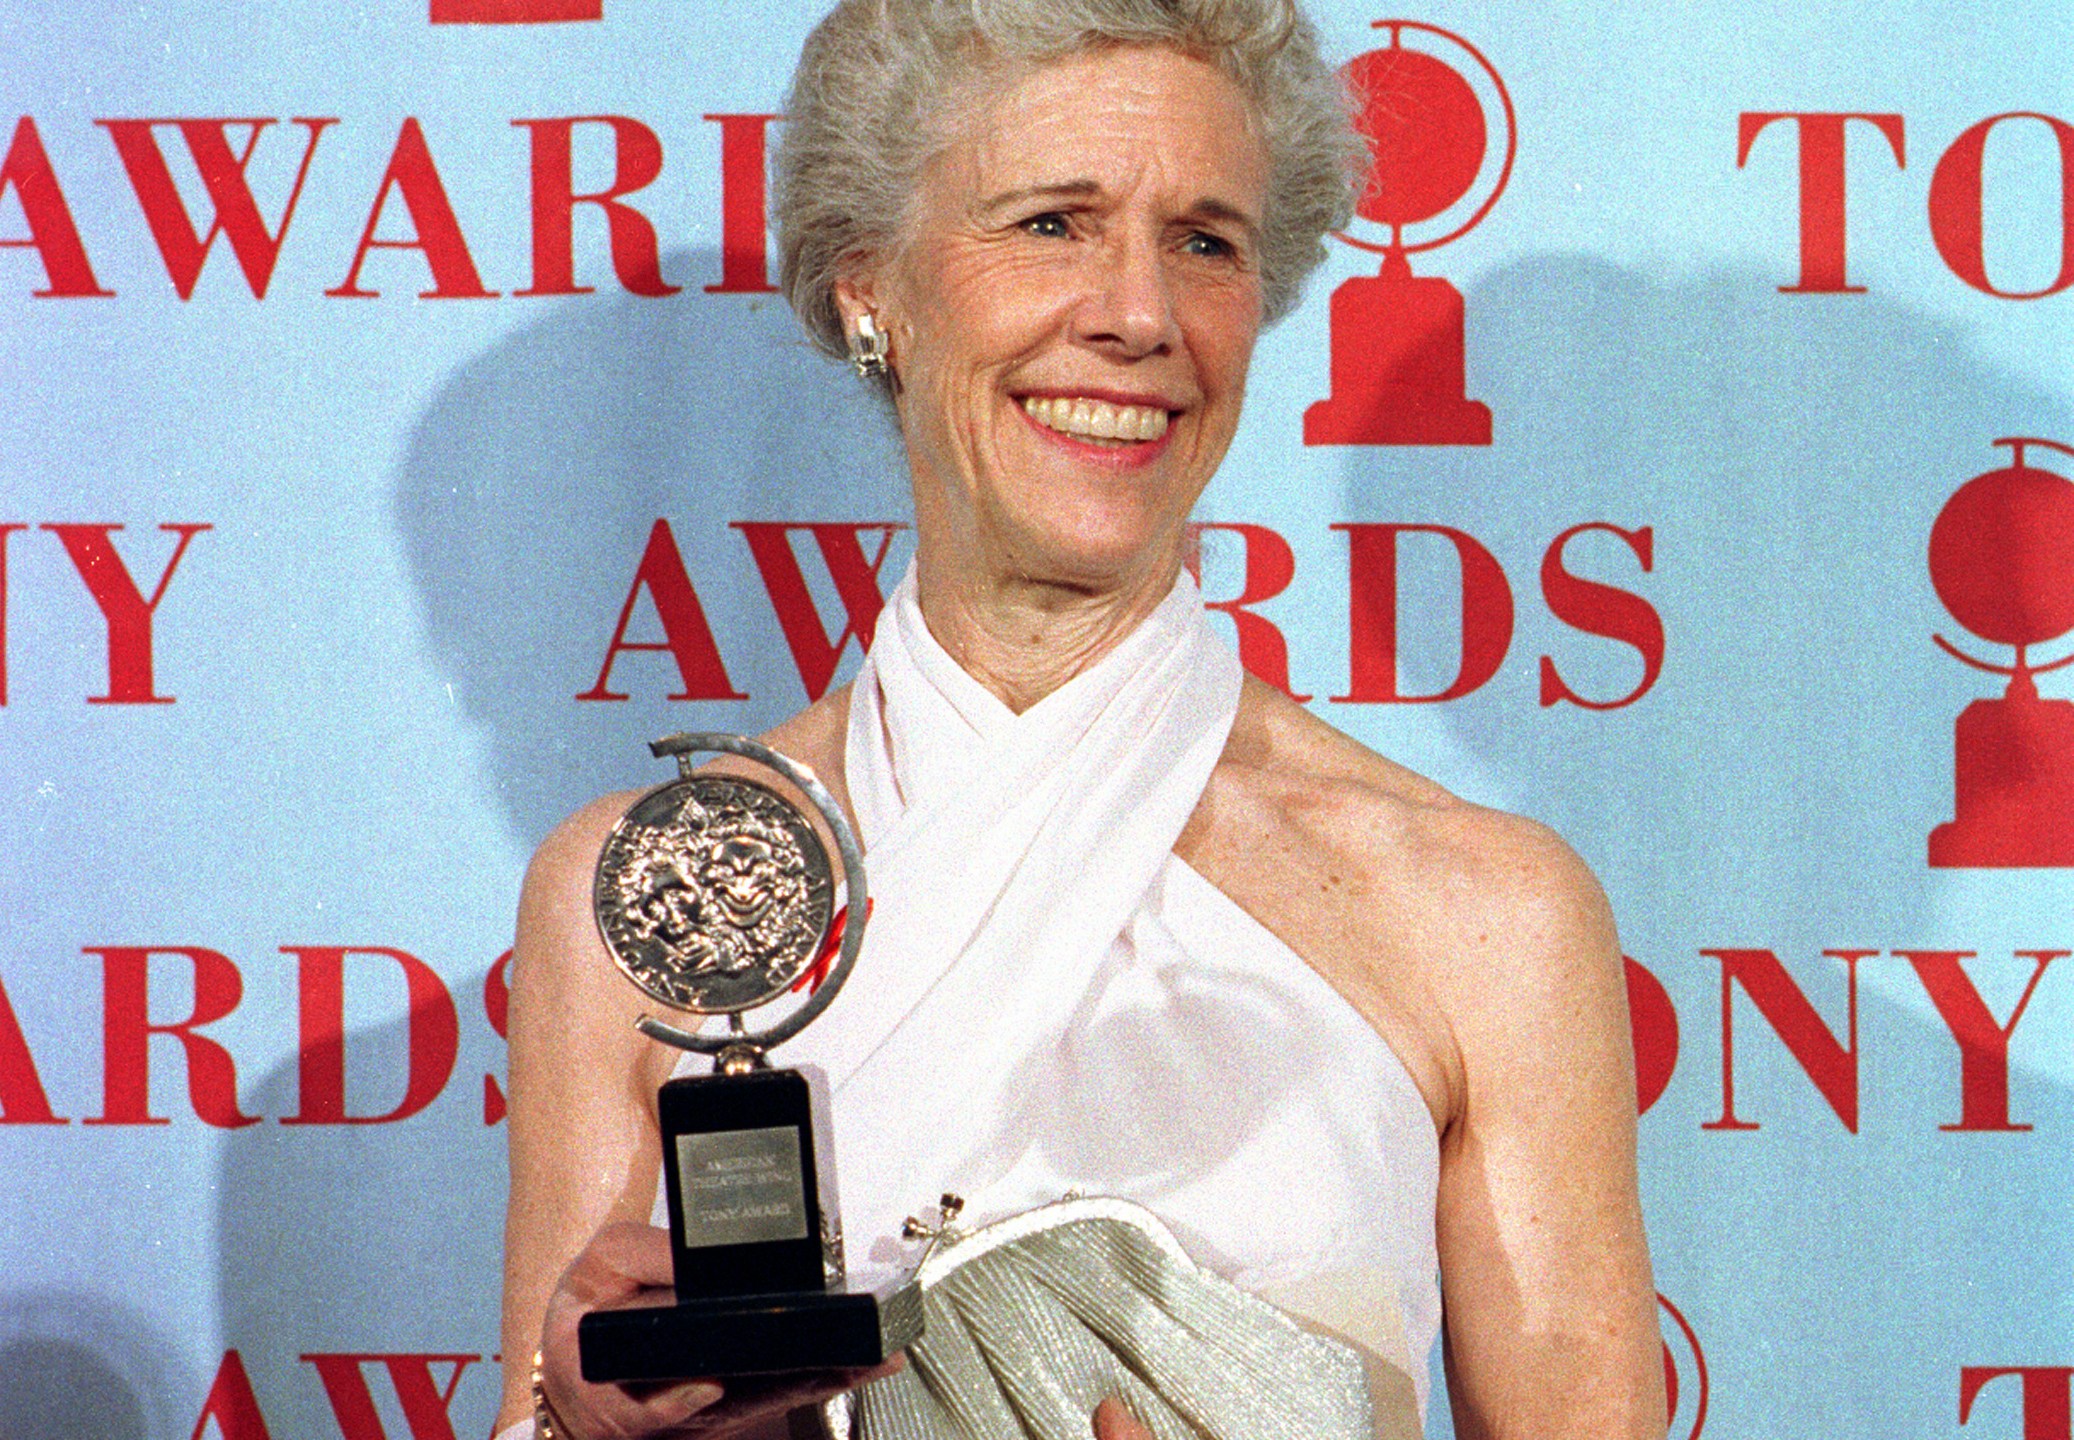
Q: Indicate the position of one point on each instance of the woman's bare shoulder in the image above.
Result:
(1442, 921)
(573, 845)
(815, 737)
(1373, 821)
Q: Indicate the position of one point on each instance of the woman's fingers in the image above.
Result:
(620, 1262)
(1114, 1421)
(764, 1397)
(613, 1412)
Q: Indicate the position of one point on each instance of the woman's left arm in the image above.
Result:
(1551, 1324)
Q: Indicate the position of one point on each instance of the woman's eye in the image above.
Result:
(1209, 247)
(1050, 226)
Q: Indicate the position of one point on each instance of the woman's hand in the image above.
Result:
(1114, 1421)
(621, 1262)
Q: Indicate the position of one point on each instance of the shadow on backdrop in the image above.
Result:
(75, 1367)
(1775, 789)
(1789, 453)
(378, 1239)
(529, 488)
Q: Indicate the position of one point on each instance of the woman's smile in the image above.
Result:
(1087, 418)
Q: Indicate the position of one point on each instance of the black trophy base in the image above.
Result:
(845, 1327)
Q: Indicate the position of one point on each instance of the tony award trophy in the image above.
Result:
(715, 895)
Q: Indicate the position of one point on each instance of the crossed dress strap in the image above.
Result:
(1007, 854)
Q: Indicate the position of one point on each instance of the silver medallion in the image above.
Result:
(714, 894)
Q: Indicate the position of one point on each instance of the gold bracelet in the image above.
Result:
(546, 1424)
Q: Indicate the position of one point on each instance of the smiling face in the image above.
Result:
(1072, 316)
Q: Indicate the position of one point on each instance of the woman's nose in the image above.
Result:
(1130, 303)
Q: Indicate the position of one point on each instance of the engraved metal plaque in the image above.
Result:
(714, 894)
(741, 1187)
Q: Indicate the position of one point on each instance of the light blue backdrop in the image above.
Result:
(426, 514)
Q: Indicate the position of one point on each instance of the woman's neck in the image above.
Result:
(1024, 638)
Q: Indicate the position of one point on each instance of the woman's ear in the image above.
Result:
(857, 293)
(860, 298)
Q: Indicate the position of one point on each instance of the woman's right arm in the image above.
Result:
(583, 1145)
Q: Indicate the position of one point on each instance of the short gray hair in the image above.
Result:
(867, 113)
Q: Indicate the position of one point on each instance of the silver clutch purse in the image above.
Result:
(1034, 1320)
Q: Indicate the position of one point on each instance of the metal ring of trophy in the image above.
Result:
(717, 899)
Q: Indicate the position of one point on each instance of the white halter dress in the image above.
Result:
(1049, 1000)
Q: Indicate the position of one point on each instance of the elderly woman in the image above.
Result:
(1144, 927)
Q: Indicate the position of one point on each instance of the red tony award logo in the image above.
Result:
(1397, 369)
(1685, 1373)
(2002, 559)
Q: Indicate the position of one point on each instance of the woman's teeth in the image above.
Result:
(1097, 419)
